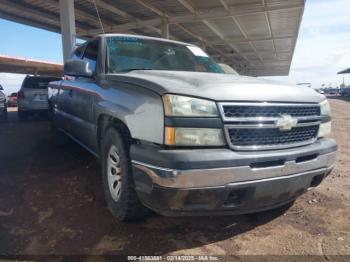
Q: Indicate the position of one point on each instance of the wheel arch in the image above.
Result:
(106, 121)
(141, 114)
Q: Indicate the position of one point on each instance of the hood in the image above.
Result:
(219, 87)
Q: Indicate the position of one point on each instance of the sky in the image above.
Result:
(323, 46)
(322, 50)
(30, 42)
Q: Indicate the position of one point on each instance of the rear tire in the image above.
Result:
(120, 194)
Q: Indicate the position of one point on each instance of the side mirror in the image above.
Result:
(1, 88)
(77, 68)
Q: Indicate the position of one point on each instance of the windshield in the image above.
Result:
(38, 82)
(131, 53)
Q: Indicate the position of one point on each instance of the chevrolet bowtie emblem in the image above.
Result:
(286, 122)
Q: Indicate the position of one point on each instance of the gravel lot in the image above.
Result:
(51, 202)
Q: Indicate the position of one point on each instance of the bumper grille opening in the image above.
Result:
(235, 197)
(306, 158)
(316, 180)
(267, 164)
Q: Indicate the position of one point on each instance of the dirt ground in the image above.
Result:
(51, 202)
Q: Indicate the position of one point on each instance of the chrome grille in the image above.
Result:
(270, 137)
(261, 126)
(270, 111)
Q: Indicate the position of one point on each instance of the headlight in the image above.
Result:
(325, 129)
(175, 105)
(180, 136)
(325, 108)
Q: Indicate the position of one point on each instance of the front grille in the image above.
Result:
(263, 126)
(237, 111)
(270, 137)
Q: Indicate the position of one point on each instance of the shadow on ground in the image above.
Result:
(51, 202)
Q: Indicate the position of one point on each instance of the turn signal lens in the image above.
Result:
(180, 136)
(169, 136)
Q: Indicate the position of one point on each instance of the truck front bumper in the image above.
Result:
(222, 181)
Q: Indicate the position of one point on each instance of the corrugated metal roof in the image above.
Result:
(256, 37)
(346, 71)
(22, 65)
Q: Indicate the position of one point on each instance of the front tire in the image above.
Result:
(120, 194)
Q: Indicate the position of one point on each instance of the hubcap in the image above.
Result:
(114, 173)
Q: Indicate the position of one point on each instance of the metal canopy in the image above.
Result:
(256, 37)
(20, 65)
(346, 71)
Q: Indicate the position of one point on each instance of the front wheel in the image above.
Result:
(118, 181)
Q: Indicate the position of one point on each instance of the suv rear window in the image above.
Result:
(38, 83)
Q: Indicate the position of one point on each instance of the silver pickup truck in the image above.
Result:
(176, 135)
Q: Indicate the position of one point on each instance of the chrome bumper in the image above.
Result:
(222, 181)
(196, 178)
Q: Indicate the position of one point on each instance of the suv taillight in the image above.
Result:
(20, 94)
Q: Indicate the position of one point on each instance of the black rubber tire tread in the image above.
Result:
(128, 207)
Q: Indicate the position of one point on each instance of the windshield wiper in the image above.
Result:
(133, 69)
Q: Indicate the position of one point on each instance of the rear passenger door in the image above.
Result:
(80, 93)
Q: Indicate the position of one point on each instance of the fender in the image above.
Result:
(140, 109)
